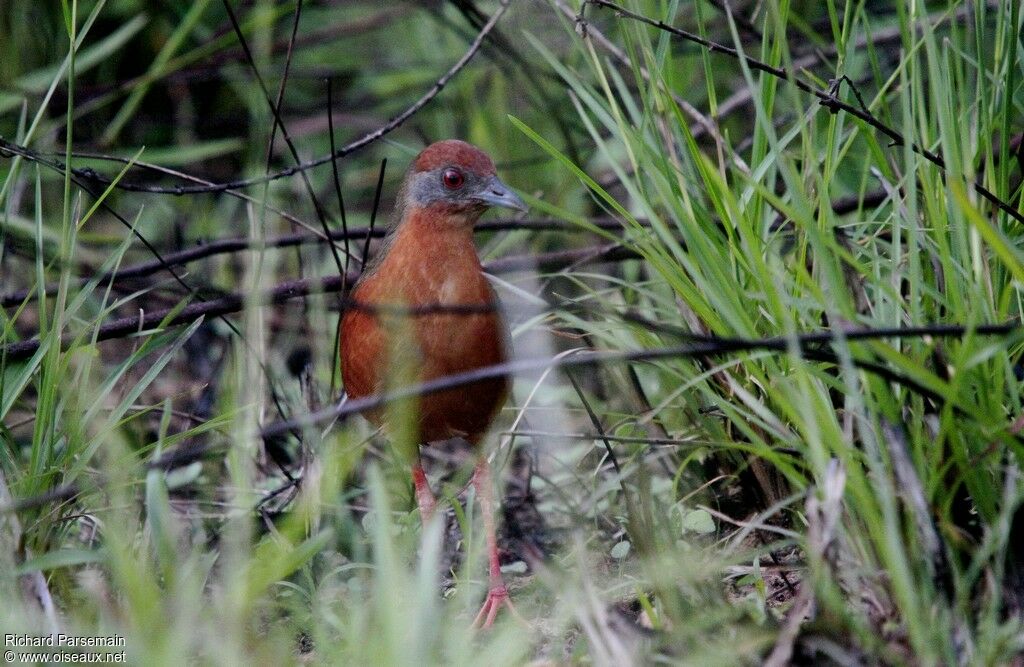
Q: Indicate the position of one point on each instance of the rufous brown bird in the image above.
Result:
(429, 261)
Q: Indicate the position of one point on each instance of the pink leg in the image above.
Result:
(497, 595)
(424, 497)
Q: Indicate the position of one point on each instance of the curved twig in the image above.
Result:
(362, 142)
(238, 244)
(235, 302)
(704, 347)
(828, 99)
(841, 206)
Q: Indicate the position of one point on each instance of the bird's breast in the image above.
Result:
(378, 342)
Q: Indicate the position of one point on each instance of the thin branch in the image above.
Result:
(336, 177)
(347, 149)
(289, 290)
(596, 421)
(715, 346)
(709, 346)
(88, 175)
(841, 206)
(275, 110)
(875, 38)
(628, 439)
(63, 492)
(827, 99)
(275, 107)
(702, 124)
(235, 302)
(239, 244)
(365, 257)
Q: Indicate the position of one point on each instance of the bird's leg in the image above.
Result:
(424, 496)
(497, 594)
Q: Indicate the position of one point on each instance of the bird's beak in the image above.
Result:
(496, 193)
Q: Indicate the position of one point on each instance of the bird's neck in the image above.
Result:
(440, 220)
(428, 250)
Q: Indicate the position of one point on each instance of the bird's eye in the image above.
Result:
(452, 179)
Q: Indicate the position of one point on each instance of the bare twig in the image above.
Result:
(596, 422)
(701, 122)
(639, 440)
(877, 37)
(336, 177)
(364, 258)
(347, 149)
(89, 176)
(708, 346)
(827, 99)
(705, 347)
(232, 303)
(275, 110)
(841, 206)
(239, 244)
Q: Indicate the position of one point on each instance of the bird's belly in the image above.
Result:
(457, 343)
(470, 342)
(378, 349)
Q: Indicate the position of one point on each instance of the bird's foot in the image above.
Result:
(497, 598)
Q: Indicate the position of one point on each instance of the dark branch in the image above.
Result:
(708, 346)
(275, 110)
(233, 303)
(239, 244)
(841, 206)
(808, 344)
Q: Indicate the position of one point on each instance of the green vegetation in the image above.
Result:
(745, 493)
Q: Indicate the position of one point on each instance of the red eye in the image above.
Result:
(453, 179)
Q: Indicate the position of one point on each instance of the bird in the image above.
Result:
(404, 313)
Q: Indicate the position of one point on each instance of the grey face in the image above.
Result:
(462, 189)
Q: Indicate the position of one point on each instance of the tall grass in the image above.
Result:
(721, 509)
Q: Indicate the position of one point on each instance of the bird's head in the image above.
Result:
(456, 180)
